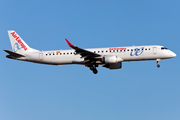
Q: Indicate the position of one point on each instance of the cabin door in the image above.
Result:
(154, 50)
(41, 56)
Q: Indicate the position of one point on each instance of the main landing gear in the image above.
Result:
(93, 68)
(158, 60)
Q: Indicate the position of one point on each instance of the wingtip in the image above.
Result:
(71, 45)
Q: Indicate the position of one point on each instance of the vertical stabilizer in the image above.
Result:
(18, 44)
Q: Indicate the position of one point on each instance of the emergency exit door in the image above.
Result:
(41, 56)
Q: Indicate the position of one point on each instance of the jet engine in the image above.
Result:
(111, 59)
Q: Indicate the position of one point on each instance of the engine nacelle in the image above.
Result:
(111, 59)
(114, 65)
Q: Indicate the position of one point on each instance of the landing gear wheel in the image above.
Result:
(158, 60)
(158, 65)
(95, 71)
(92, 67)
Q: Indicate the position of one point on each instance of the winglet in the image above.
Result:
(71, 45)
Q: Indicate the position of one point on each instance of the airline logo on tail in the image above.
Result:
(18, 39)
(16, 47)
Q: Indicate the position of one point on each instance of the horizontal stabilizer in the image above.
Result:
(13, 54)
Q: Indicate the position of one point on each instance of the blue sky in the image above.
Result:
(138, 91)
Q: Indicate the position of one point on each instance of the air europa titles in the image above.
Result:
(117, 48)
(17, 38)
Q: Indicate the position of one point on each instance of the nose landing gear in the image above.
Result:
(158, 60)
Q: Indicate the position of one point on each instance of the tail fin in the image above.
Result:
(18, 44)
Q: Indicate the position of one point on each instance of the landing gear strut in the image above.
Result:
(93, 68)
(158, 60)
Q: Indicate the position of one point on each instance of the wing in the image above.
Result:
(87, 55)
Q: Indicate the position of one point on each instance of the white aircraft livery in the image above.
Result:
(111, 57)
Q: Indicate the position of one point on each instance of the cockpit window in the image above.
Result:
(164, 48)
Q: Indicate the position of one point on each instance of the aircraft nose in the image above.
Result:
(173, 54)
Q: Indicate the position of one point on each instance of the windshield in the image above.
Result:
(164, 48)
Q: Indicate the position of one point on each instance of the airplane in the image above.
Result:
(110, 57)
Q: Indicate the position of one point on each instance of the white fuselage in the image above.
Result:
(133, 53)
(111, 58)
